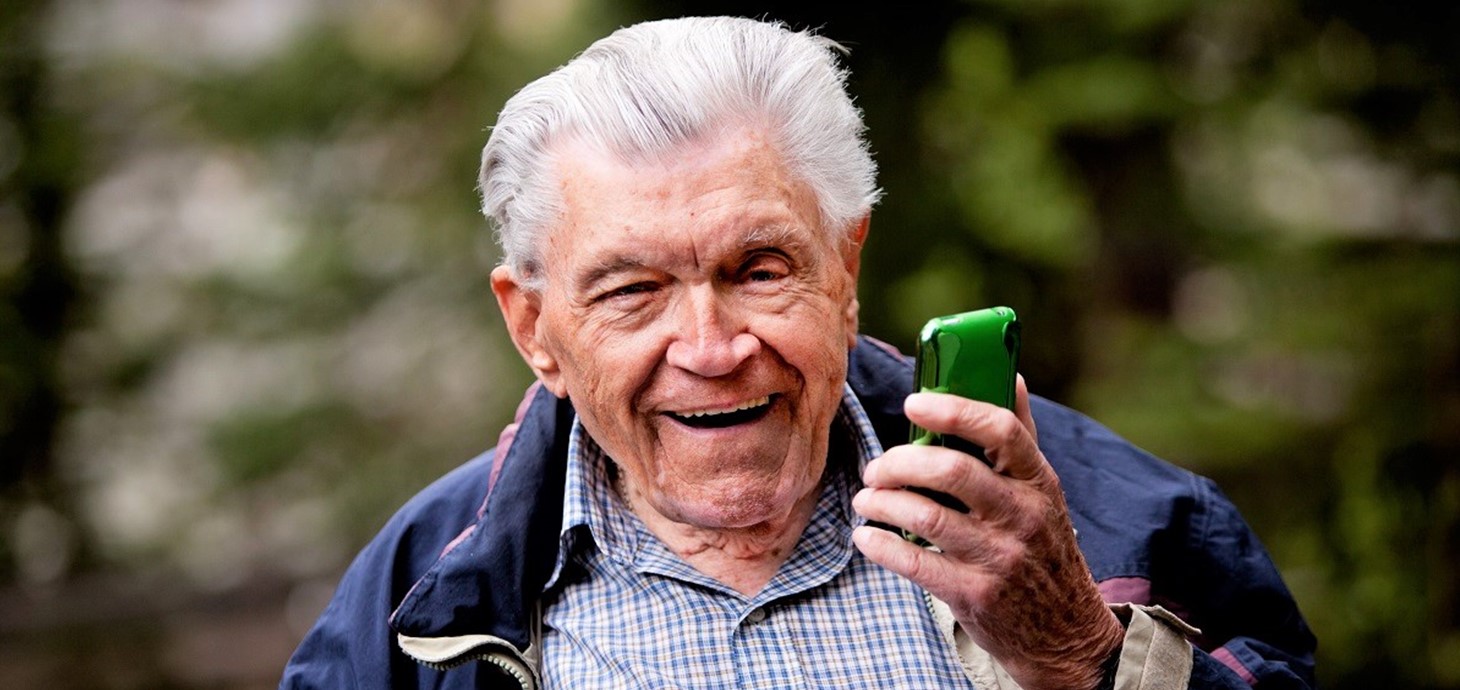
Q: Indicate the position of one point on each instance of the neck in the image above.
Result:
(744, 558)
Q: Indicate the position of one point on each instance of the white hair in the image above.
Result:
(647, 89)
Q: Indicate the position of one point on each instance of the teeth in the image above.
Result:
(763, 400)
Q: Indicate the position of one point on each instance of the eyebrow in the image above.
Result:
(769, 236)
(607, 267)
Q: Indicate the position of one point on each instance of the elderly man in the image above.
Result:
(684, 499)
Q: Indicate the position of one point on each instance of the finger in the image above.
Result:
(915, 513)
(913, 562)
(969, 480)
(1007, 442)
(930, 467)
(965, 536)
(1022, 410)
(935, 572)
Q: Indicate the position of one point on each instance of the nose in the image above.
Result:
(710, 340)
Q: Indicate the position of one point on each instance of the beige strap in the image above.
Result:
(1156, 654)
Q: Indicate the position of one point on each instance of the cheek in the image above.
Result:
(604, 370)
(824, 326)
(817, 349)
(577, 360)
(599, 386)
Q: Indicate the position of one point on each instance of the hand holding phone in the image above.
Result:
(974, 355)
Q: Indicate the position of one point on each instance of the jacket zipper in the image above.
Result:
(482, 657)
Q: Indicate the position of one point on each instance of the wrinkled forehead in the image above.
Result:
(711, 197)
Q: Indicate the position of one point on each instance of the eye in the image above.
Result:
(626, 292)
(763, 268)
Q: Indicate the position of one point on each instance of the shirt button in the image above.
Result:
(755, 616)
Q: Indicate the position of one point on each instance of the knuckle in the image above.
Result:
(914, 565)
(969, 416)
(1010, 554)
(1033, 516)
(930, 520)
(1006, 426)
(945, 468)
(1007, 509)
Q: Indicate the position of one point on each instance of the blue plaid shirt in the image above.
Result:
(625, 612)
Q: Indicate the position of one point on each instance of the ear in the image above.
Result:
(522, 311)
(852, 247)
(852, 259)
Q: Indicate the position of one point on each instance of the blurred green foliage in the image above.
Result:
(244, 311)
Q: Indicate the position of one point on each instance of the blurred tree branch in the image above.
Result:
(40, 162)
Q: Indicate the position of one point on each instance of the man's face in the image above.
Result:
(699, 317)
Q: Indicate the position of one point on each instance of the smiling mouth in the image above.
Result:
(720, 418)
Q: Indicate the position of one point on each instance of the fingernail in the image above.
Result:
(865, 534)
(918, 403)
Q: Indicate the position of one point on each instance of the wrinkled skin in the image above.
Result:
(1009, 568)
(700, 281)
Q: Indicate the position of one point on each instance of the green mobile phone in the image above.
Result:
(974, 355)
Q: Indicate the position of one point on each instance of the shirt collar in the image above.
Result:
(595, 515)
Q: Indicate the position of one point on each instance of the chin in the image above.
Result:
(739, 507)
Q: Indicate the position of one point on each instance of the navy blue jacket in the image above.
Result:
(469, 555)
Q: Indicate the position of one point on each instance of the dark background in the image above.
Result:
(244, 310)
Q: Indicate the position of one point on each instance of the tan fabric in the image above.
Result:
(1155, 654)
